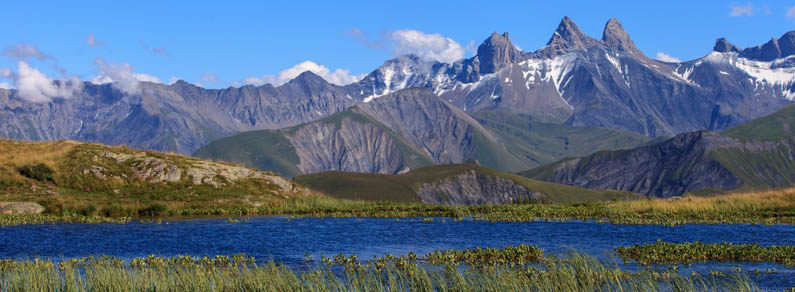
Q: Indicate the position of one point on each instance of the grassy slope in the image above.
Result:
(538, 143)
(401, 188)
(763, 168)
(71, 190)
(775, 126)
(265, 149)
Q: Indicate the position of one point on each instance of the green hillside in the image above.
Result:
(767, 166)
(403, 187)
(265, 149)
(780, 124)
(537, 143)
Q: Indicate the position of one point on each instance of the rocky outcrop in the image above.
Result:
(155, 169)
(7, 208)
(474, 188)
(496, 53)
(724, 46)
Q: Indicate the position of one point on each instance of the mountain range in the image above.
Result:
(503, 108)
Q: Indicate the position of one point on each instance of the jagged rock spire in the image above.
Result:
(569, 36)
(617, 38)
(496, 52)
(724, 46)
(767, 52)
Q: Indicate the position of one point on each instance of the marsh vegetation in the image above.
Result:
(574, 272)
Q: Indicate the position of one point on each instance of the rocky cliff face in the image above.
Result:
(441, 131)
(474, 188)
(393, 134)
(350, 146)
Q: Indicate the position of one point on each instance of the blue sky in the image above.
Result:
(254, 41)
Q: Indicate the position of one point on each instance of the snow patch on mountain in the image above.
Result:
(763, 73)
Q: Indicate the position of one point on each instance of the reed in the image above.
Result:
(573, 273)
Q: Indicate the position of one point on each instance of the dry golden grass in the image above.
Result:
(21, 153)
(740, 201)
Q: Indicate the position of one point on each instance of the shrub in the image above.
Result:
(39, 172)
(89, 210)
(116, 211)
(156, 209)
(52, 206)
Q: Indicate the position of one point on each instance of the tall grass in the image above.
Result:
(741, 201)
(573, 273)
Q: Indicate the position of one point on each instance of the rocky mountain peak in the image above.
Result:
(569, 36)
(308, 77)
(787, 44)
(496, 52)
(723, 45)
(615, 37)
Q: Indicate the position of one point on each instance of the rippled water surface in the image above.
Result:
(288, 240)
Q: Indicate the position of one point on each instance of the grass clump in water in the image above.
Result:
(683, 253)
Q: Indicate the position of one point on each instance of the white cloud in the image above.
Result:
(5, 85)
(147, 78)
(93, 42)
(209, 77)
(123, 76)
(338, 77)
(34, 86)
(427, 46)
(667, 58)
(741, 10)
(24, 51)
(791, 12)
(173, 80)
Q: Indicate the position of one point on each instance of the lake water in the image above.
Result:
(287, 240)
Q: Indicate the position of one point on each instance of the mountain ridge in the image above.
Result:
(574, 80)
(757, 154)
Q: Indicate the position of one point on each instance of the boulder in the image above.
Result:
(7, 208)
